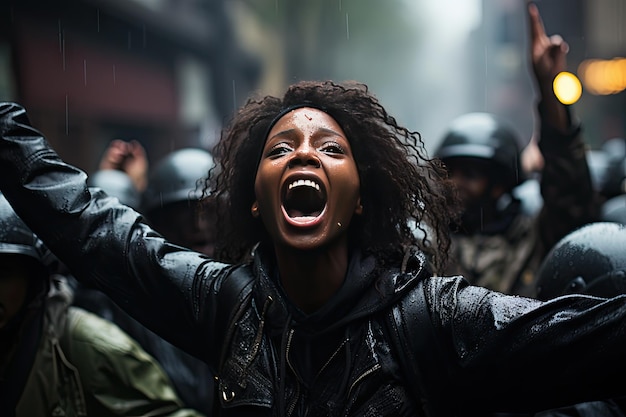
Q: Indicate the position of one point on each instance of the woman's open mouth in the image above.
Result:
(304, 200)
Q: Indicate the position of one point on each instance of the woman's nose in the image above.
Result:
(304, 155)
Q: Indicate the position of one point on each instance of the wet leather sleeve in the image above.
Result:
(169, 289)
(509, 353)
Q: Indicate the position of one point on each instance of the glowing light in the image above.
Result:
(567, 88)
(603, 77)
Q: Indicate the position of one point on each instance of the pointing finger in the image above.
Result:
(537, 29)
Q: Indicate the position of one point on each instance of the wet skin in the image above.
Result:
(311, 243)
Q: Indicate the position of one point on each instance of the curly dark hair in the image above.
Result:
(406, 198)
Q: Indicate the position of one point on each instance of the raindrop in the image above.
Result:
(60, 38)
(129, 40)
(114, 79)
(482, 224)
(234, 98)
(63, 50)
(85, 70)
(98, 19)
(347, 27)
(143, 27)
(67, 128)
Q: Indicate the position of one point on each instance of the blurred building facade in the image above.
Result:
(594, 29)
(167, 73)
(604, 99)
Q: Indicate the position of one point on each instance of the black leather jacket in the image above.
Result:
(486, 351)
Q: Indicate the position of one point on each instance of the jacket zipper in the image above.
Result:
(362, 376)
(331, 358)
(292, 406)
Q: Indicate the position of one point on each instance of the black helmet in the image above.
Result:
(598, 163)
(17, 238)
(116, 184)
(529, 193)
(615, 178)
(176, 178)
(615, 182)
(590, 260)
(484, 136)
(615, 149)
(614, 209)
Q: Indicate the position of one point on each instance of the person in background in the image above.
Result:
(122, 171)
(529, 191)
(614, 183)
(171, 203)
(128, 157)
(59, 360)
(321, 300)
(498, 243)
(590, 260)
(614, 187)
(614, 209)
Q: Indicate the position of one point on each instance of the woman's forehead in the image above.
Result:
(305, 118)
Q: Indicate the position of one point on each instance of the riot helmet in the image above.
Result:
(614, 209)
(177, 177)
(17, 238)
(116, 184)
(529, 194)
(598, 163)
(589, 260)
(26, 266)
(484, 137)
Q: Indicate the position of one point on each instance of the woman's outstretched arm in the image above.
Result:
(104, 243)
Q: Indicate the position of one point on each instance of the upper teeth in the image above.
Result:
(307, 183)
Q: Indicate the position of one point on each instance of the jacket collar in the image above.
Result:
(367, 289)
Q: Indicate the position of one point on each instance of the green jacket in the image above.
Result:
(86, 366)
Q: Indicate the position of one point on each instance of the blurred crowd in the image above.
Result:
(538, 218)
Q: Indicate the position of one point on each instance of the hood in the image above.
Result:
(367, 289)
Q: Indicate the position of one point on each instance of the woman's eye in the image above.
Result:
(332, 147)
(278, 150)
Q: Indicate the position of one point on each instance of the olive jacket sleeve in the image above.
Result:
(119, 378)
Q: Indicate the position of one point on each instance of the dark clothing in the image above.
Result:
(82, 365)
(190, 376)
(505, 254)
(608, 408)
(490, 351)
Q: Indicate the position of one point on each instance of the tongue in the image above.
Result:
(294, 214)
